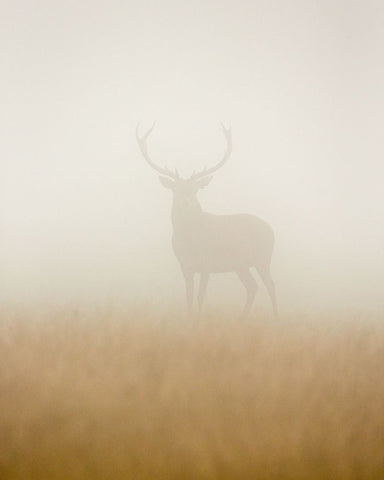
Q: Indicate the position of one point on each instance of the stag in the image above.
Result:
(205, 243)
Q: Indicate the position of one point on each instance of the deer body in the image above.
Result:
(205, 243)
(222, 243)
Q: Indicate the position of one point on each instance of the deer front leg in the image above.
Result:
(189, 287)
(202, 289)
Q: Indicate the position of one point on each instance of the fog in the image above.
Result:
(84, 218)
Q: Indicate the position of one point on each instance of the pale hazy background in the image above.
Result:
(84, 219)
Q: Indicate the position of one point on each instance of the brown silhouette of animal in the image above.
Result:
(205, 243)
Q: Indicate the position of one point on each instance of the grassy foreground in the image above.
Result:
(133, 397)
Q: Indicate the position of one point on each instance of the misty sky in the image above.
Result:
(82, 215)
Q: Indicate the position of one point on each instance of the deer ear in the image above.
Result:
(167, 182)
(204, 182)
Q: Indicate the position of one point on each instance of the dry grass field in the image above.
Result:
(133, 396)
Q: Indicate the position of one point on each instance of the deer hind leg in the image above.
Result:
(202, 289)
(270, 286)
(250, 285)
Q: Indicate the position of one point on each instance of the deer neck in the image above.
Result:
(185, 220)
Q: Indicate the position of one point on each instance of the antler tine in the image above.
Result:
(226, 131)
(142, 141)
(228, 135)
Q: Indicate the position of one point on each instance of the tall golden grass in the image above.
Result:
(132, 396)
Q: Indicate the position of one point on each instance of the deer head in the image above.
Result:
(184, 189)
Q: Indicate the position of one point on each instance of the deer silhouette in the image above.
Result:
(205, 243)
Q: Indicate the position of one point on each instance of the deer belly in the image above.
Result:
(215, 254)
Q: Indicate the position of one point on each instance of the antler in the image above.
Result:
(228, 136)
(142, 141)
